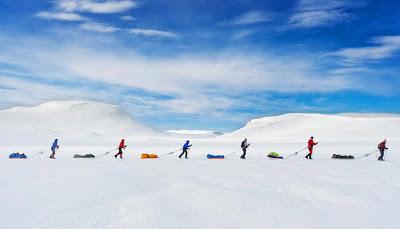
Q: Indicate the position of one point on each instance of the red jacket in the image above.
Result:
(382, 146)
(311, 143)
(121, 144)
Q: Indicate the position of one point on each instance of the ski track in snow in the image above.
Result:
(199, 193)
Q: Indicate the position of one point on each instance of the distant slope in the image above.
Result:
(193, 133)
(298, 127)
(71, 117)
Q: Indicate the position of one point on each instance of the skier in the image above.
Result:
(120, 147)
(54, 147)
(185, 149)
(382, 147)
(310, 146)
(244, 147)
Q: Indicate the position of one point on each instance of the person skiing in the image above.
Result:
(244, 147)
(54, 147)
(310, 146)
(120, 147)
(185, 149)
(382, 147)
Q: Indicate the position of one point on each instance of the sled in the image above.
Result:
(274, 155)
(17, 156)
(346, 157)
(84, 156)
(213, 157)
(149, 156)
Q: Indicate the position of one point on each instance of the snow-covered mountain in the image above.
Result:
(78, 122)
(341, 127)
(194, 133)
(71, 117)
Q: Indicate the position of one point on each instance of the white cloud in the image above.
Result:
(152, 33)
(384, 47)
(249, 18)
(103, 28)
(196, 84)
(91, 6)
(63, 16)
(350, 70)
(316, 13)
(127, 18)
(189, 75)
(98, 27)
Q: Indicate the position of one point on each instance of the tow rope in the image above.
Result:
(170, 153)
(258, 151)
(367, 154)
(295, 153)
(106, 153)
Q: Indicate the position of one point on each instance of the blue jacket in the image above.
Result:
(55, 145)
(186, 146)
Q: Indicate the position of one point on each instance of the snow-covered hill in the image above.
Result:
(71, 117)
(75, 122)
(341, 127)
(194, 133)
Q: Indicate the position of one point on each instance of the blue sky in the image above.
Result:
(203, 64)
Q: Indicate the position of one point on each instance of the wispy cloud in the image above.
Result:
(249, 18)
(318, 13)
(93, 6)
(62, 16)
(384, 47)
(152, 33)
(349, 70)
(128, 18)
(98, 27)
(104, 28)
(243, 34)
(184, 74)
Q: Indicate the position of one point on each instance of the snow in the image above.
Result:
(194, 133)
(341, 127)
(195, 193)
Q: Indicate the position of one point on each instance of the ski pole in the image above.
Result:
(295, 153)
(385, 153)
